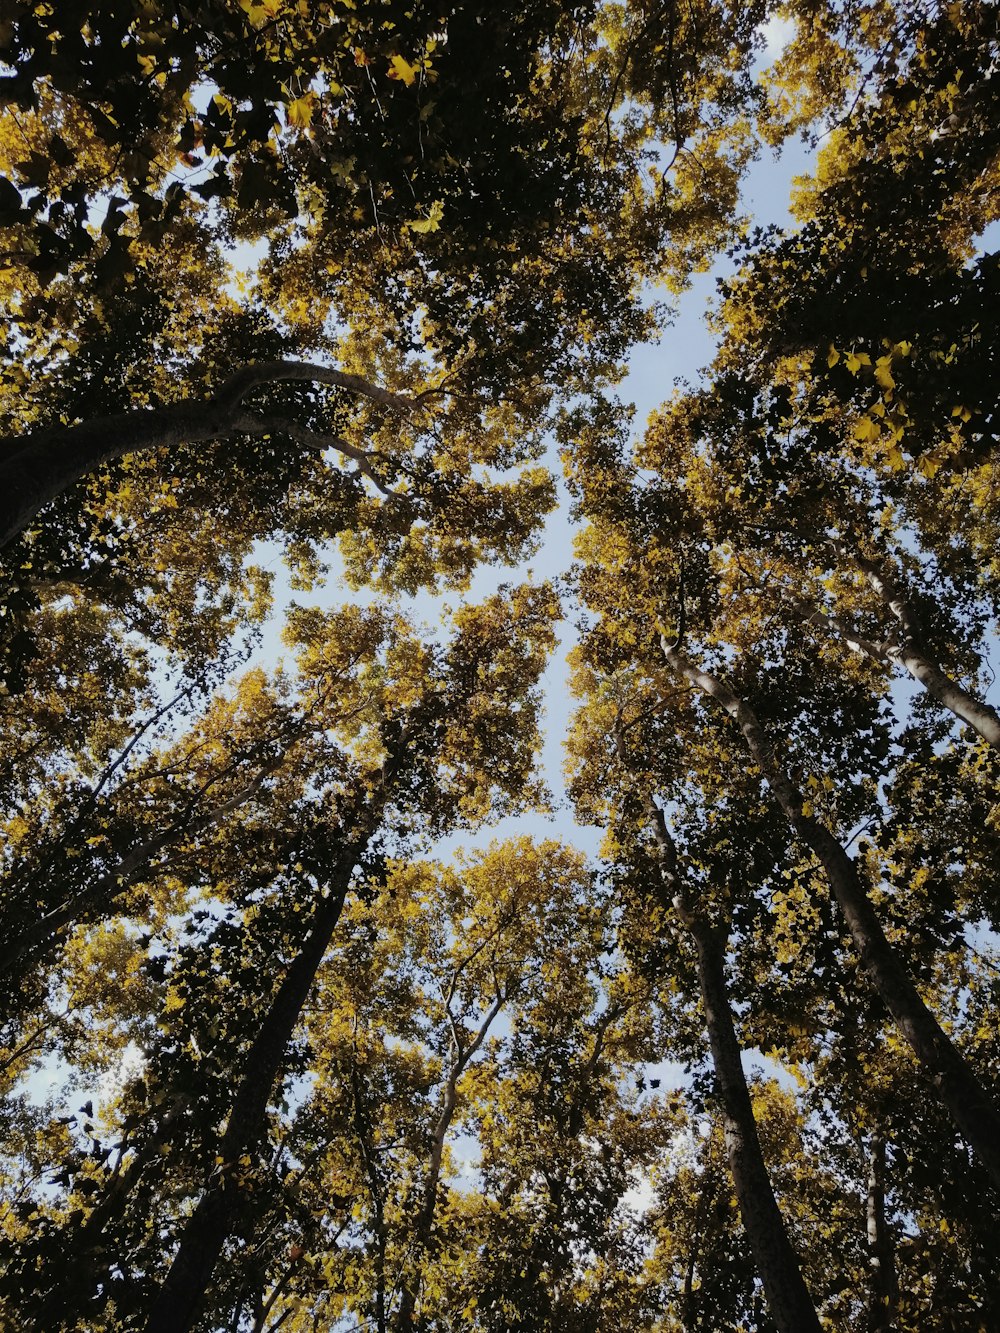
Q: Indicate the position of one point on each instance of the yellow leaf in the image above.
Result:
(834, 356)
(883, 373)
(432, 222)
(257, 13)
(300, 111)
(854, 360)
(402, 69)
(865, 429)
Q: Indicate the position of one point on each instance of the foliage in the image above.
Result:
(323, 282)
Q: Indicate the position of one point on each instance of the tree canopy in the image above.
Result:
(341, 283)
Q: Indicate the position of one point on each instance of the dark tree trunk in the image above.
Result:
(974, 1112)
(179, 1299)
(788, 1298)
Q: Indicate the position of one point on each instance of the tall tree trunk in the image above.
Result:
(788, 1297)
(973, 1111)
(883, 1291)
(180, 1297)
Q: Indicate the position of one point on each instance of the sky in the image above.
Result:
(686, 347)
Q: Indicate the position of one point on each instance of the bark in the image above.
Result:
(908, 650)
(788, 1297)
(884, 1292)
(40, 466)
(973, 1111)
(179, 1299)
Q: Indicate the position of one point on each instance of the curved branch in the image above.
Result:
(257, 425)
(239, 384)
(41, 465)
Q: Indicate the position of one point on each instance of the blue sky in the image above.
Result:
(686, 347)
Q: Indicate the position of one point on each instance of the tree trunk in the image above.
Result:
(788, 1297)
(179, 1299)
(973, 1111)
(422, 1231)
(884, 1292)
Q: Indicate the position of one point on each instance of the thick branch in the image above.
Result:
(257, 425)
(909, 651)
(239, 384)
(826, 621)
(40, 466)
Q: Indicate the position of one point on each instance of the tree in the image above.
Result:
(308, 1073)
(780, 557)
(394, 734)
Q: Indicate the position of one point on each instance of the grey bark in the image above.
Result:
(907, 649)
(972, 1110)
(884, 1291)
(461, 1056)
(37, 467)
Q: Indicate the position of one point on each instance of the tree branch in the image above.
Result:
(41, 465)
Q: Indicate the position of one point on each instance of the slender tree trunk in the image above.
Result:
(366, 1142)
(179, 1299)
(973, 1111)
(404, 1321)
(788, 1297)
(884, 1292)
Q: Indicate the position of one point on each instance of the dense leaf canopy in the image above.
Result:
(338, 283)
